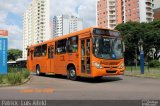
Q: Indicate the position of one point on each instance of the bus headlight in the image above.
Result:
(97, 65)
(121, 66)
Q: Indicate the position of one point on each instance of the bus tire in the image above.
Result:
(38, 72)
(72, 74)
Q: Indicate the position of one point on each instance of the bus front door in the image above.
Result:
(85, 56)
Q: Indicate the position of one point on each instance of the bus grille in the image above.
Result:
(110, 66)
(111, 72)
(110, 63)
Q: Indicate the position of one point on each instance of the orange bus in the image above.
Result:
(92, 52)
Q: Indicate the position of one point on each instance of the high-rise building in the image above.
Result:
(36, 24)
(139, 10)
(65, 24)
(113, 12)
(109, 13)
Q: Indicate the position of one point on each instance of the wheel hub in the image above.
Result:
(72, 73)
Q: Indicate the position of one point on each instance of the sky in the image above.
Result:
(11, 15)
(157, 4)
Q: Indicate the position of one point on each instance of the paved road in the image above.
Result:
(109, 88)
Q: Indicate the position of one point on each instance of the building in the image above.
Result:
(109, 13)
(157, 14)
(113, 12)
(65, 24)
(36, 24)
(139, 10)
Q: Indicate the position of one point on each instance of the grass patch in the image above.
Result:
(148, 72)
(14, 76)
(146, 68)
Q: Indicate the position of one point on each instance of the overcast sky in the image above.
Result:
(11, 15)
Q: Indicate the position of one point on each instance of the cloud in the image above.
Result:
(85, 9)
(3, 16)
(12, 7)
(156, 3)
(15, 35)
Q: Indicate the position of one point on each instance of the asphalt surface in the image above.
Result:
(109, 88)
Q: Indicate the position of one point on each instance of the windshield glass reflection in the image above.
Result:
(107, 48)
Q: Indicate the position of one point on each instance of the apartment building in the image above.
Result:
(36, 24)
(113, 12)
(139, 10)
(109, 13)
(65, 24)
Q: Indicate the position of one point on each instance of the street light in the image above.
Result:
(141, 56)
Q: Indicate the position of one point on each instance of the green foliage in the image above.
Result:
(154, 63)
(132, 32)
(1, 79)
(15, 76)
(25, 74)
(14, 54)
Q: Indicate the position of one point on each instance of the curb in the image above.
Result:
(12, 85)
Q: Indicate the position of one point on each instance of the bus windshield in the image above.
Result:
(107, 48)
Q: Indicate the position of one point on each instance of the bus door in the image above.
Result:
(50, 62)
(85, 56)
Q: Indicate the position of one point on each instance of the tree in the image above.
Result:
(132, 32)
(14, 54)
(156, 39)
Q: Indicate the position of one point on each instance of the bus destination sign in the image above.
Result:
(106, 32)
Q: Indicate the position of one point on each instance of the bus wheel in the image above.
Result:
(38, 71)
(72, 73)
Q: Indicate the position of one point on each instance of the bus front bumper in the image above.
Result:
(107, 72)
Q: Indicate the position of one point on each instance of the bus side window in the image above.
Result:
(88, 47)
(44, 50)
(37, 51)
(40, 51)
(82, 47)
(73, 44)
(28, 52)
(50, 52)
(61, 46)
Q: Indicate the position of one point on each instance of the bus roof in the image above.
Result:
(66, 36)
